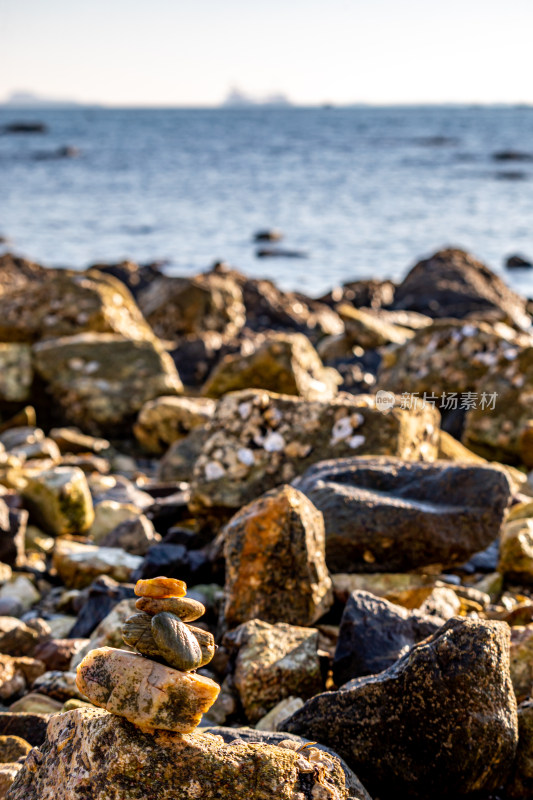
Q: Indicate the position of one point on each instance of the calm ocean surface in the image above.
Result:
(365, 192)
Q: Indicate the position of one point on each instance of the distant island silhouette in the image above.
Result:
(26, 99)
(238, 99)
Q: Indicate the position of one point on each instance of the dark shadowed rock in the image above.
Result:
(452, 283)
(31, 727)
(175, 561)
(375, 633)
(441, 722)
(102, 596)
(275, 566)
(13, 523)
(383, 514)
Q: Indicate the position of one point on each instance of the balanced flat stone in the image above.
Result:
(149, 694)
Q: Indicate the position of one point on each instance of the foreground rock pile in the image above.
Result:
(344, 485)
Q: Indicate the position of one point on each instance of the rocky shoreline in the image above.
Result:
(344, 483)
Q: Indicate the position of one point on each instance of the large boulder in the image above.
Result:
(273, 662)
(67, 303)
(275, 565)
(284, 363)
(89, 753)
(78, 564)
(16, 273)
(374, 634)
(441, 722)
(207, 303)
(259, 439)
(452, 283)
(385, 514)
(100, 381)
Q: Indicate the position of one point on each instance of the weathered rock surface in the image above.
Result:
(79, 564)
(522, 661)
(374, 634)
(31, 727)
(12, 748)
(275, 565)
(59, 500)
(176, 307)
(16, 674)
(273, 662)
(283, 363)
(100, 381)
(135, 536)
(151, 695)
(258, 440)
(168, 419)
(16, 372)
(72, 764)
(364, 329)
(452, 283)
(384, 514)
(353, 784)
(520, 783)
(516, 550)
(399, 730)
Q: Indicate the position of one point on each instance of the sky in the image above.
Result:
(191, 52)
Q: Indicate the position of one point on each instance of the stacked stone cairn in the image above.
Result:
(155, 688)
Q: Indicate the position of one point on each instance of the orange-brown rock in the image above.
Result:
(275, 564)
(160, 588)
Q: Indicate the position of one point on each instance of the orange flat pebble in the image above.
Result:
(161, 587)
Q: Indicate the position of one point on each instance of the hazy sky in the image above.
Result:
(189, 52)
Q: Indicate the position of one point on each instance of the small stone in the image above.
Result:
(57, 654)
(281, 711)
(22, 589)
(17, 638)
(79, 564)
(516, 551)
(16, 674)
(35, 703)
(160, 588)
(59, 500)
(148, 694)
(135, 536)
(107, 515)
(12, 748)
(520, 785)
(8, 774)
(176, 643)
(185, 608)
(137, 632)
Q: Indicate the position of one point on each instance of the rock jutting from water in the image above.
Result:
(156, 689)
